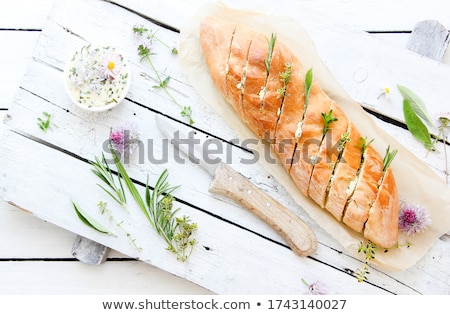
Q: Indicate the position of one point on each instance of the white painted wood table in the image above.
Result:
(237, 253)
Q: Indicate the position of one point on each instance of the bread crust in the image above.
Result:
(345, 173)
(352, 187)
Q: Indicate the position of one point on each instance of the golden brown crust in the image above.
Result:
(216, 36)
(256, 78)
(365, 192)
(291, 114)
(237, 62)
(382, 224)
(344, 174)
(308, 144)
(327, 157)
(331, 175)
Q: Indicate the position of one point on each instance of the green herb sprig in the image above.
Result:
(271, 43)
(285, 77)
(364, 145)
(103, 207)
(114, 190)
(388, 158)
(308, 86)
(89, 220)
(145, 52)
(45, 122)
(328, 119)
(157, 208)
(343, 140)
(369, 249)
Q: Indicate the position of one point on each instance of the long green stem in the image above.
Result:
(160, 81)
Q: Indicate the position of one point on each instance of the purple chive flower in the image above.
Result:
(413, 218)
(124, 138)
(315, 288)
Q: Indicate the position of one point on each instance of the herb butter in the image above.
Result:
(97, 77)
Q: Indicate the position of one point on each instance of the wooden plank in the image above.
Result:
(219, 241)
(55, 58)
(16, 50)
(24, 14)
(72, 277)
(382, 15)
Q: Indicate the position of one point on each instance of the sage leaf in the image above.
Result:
(308, 85)
(416, 103)
(416, 126)
(90, 221)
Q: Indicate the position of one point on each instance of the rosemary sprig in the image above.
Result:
(157, 207)
(328, 119)
(145, 52)
(114, 190)
(369, 249)
(388, 158)
(175, 231)
(271, 44)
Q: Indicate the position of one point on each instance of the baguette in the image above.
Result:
(329, 165)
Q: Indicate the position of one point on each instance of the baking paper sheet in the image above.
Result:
(416, 181)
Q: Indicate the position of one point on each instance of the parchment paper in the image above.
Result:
(416, 181)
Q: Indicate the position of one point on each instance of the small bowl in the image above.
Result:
(97, 78)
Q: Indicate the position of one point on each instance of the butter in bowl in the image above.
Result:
(97, 78)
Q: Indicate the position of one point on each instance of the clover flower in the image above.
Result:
(413, 218)
(315, 288)
(124, 138)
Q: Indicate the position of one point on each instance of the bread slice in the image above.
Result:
(291, 116)
(334, 169)
(345, 172)
(382, 225)
(366, 187)
(237, 66)
(328, 157)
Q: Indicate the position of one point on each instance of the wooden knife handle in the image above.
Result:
(295, 232)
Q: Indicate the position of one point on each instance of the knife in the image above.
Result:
(227, 182)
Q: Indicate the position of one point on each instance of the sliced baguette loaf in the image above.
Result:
(265, 83)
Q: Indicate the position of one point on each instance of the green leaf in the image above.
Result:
(416, 126)
(417, 104)
(271, 43)
(90, 221)
(308, 85)
(129, 183)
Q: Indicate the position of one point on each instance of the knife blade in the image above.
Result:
(229, 183)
